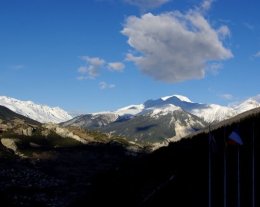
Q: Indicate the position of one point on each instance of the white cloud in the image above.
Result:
(224, 32)
(93, 66)
(227, 96)
(82, 77)
(147, 4)
(206, 5)
(103, 85)
(257, 55)
(175, 46)
(214, 68)
(249, 26)
(91, 69)
(116, 66)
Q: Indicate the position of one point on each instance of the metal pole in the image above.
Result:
(209, 163)
(225, 172)
(238, 176)
(253, 167)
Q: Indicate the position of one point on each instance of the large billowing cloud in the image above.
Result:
(175, 46)
(147, 4)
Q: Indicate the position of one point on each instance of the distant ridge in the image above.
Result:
(40, 113)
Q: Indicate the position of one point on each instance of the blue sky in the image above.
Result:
(97, 55)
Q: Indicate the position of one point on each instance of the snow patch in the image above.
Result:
(130, 110)
(182, 98)
(162, 111)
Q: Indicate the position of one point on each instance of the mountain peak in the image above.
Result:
(180, 97)
(248, 104)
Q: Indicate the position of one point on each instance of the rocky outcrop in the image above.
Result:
(64, 132)
(24, 130)
(11, 144)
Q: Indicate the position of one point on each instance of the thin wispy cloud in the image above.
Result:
(257, 55)
(104, 85)
(214, 68)
(175, 46)
(223, 32)
(116, 66)
(227, 96)
(17, 67)
(205, 5)
(249, 26)
(145, 4)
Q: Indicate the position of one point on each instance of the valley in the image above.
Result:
(126, 152)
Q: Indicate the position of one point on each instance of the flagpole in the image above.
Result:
(225, 171)
(235, 137)
(209, 164)
(238, 176)
(253, 167)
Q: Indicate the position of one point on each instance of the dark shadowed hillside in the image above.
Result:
(46, 165)
(177, 175)
(7, 115)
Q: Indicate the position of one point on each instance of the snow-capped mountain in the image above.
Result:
(209, 112)
(34, 111)
(169, 117)
(156, 125)
(248, 104)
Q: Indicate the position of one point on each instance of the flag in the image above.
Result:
(234, 138)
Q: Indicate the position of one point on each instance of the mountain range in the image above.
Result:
(155, 121)
(161, 120)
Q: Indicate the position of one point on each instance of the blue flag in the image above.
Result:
(235, 137)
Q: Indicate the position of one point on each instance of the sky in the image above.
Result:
(99, 55)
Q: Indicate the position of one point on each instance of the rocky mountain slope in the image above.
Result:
(155, 125)
(160, 120)
(24, 136)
